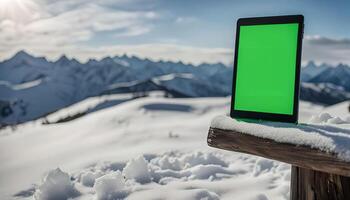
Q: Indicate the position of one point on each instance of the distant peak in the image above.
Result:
(75, 60)
(124, 56)
(63, 58)
(92, 60)
(341, 65)
(133, 57)
(311, 64)
(64, 61)
(180, 63)
(22, 52)
(107, 61)
(22, 55)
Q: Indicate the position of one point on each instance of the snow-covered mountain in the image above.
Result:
(324, 93)
(339, 75)
(311, 70)
(32, 87)
(325, 84)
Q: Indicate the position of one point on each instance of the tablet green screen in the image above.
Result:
(266, 67)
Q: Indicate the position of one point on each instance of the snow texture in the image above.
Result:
(110, 186)
(340, 110)
(319, 134)
(137, 169)
(328, 119)
(56, 186)
(88, 178)
(175, 175)
(197, 175)
(100, 147)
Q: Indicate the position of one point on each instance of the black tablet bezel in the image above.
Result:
(262, 115)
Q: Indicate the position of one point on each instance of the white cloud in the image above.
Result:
(185, 20)
(60, 24)
(319, 40)
(51, 28)
(166, 52)
(328, 50)
(19, 11)
(170, 52)
(134, 31)
(312, 50)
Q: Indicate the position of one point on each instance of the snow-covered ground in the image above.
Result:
(145, 148)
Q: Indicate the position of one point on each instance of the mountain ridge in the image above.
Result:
(25, 80)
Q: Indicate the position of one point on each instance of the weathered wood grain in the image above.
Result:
(301, 156)
(307, 184)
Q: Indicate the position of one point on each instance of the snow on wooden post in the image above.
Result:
(320, 170)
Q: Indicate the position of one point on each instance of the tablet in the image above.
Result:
(266, 71)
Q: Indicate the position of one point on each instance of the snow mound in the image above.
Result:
(176, 194)
(341, 110)
(56, 186)
(261, 197)
(326, 137)
(110, 186)
(203, 158)
(137, 169)
(201, 194)
(263, 166)
(323, 117)
(174, 175)
(168, 162)
(88, 178)
(327, 118)
(178, 162)
(206, 171)
(336, 120)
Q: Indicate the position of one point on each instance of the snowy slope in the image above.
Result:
(169, 133)
(32, 102)
(87, 106)
(341, 110)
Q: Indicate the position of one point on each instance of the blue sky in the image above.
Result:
(189, 30)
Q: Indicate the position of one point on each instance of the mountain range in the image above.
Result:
(32, 87)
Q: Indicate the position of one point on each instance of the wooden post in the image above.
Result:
(315, 175)
(310, 184)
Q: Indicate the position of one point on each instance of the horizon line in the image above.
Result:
(161, 60)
